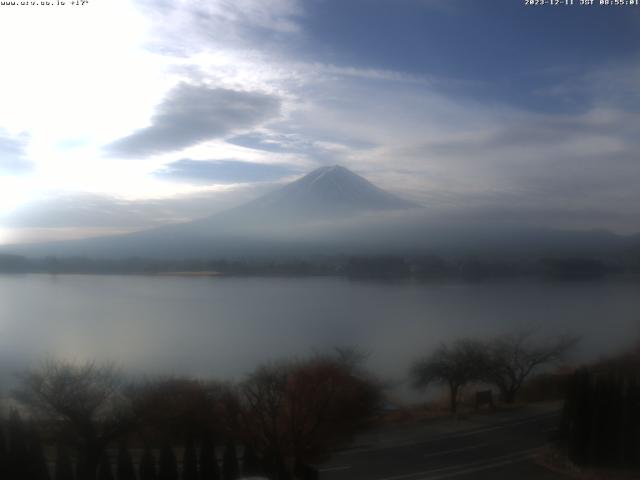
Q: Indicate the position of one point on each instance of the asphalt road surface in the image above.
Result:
(495, 446)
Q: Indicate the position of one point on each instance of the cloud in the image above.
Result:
(60, 212)
(467, 158)
(12, 154)
(268, 82)
(182, 27)
(223, 171)
(193, 114)
(269, 142)
(613, 84)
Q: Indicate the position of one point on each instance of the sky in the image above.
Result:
(120, 115)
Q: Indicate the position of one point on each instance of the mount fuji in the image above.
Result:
(275, 223)
(328, 192)
(324, 195)
(333, 211)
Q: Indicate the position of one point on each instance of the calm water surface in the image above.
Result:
(223, 327)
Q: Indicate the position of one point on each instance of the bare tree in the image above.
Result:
(176, 407)
(512, 358)
(83, 403)
(454, 366)
(351, 357)
(292, 412)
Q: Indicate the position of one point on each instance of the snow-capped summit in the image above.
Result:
(326, 192)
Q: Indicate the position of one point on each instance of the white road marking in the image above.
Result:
(466, 433)
(335, 469)
(471, 467)
(486, 466)
(455, 450)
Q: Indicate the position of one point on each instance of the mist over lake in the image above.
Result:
(223, 327)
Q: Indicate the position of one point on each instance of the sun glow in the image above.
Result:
(13, 192)
(70, 85)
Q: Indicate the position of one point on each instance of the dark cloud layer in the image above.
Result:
(223, 171)
(193, 114)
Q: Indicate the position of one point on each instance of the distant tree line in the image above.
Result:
(138, 265)
(362, 266)
(478, 268)
(94, 425)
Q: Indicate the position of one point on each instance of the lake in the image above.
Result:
(222, 327)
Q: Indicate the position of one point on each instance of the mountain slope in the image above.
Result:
(329, 191)
(326, 194)
(334, 211)
(263, 226)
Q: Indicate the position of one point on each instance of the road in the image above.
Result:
(493, 446)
